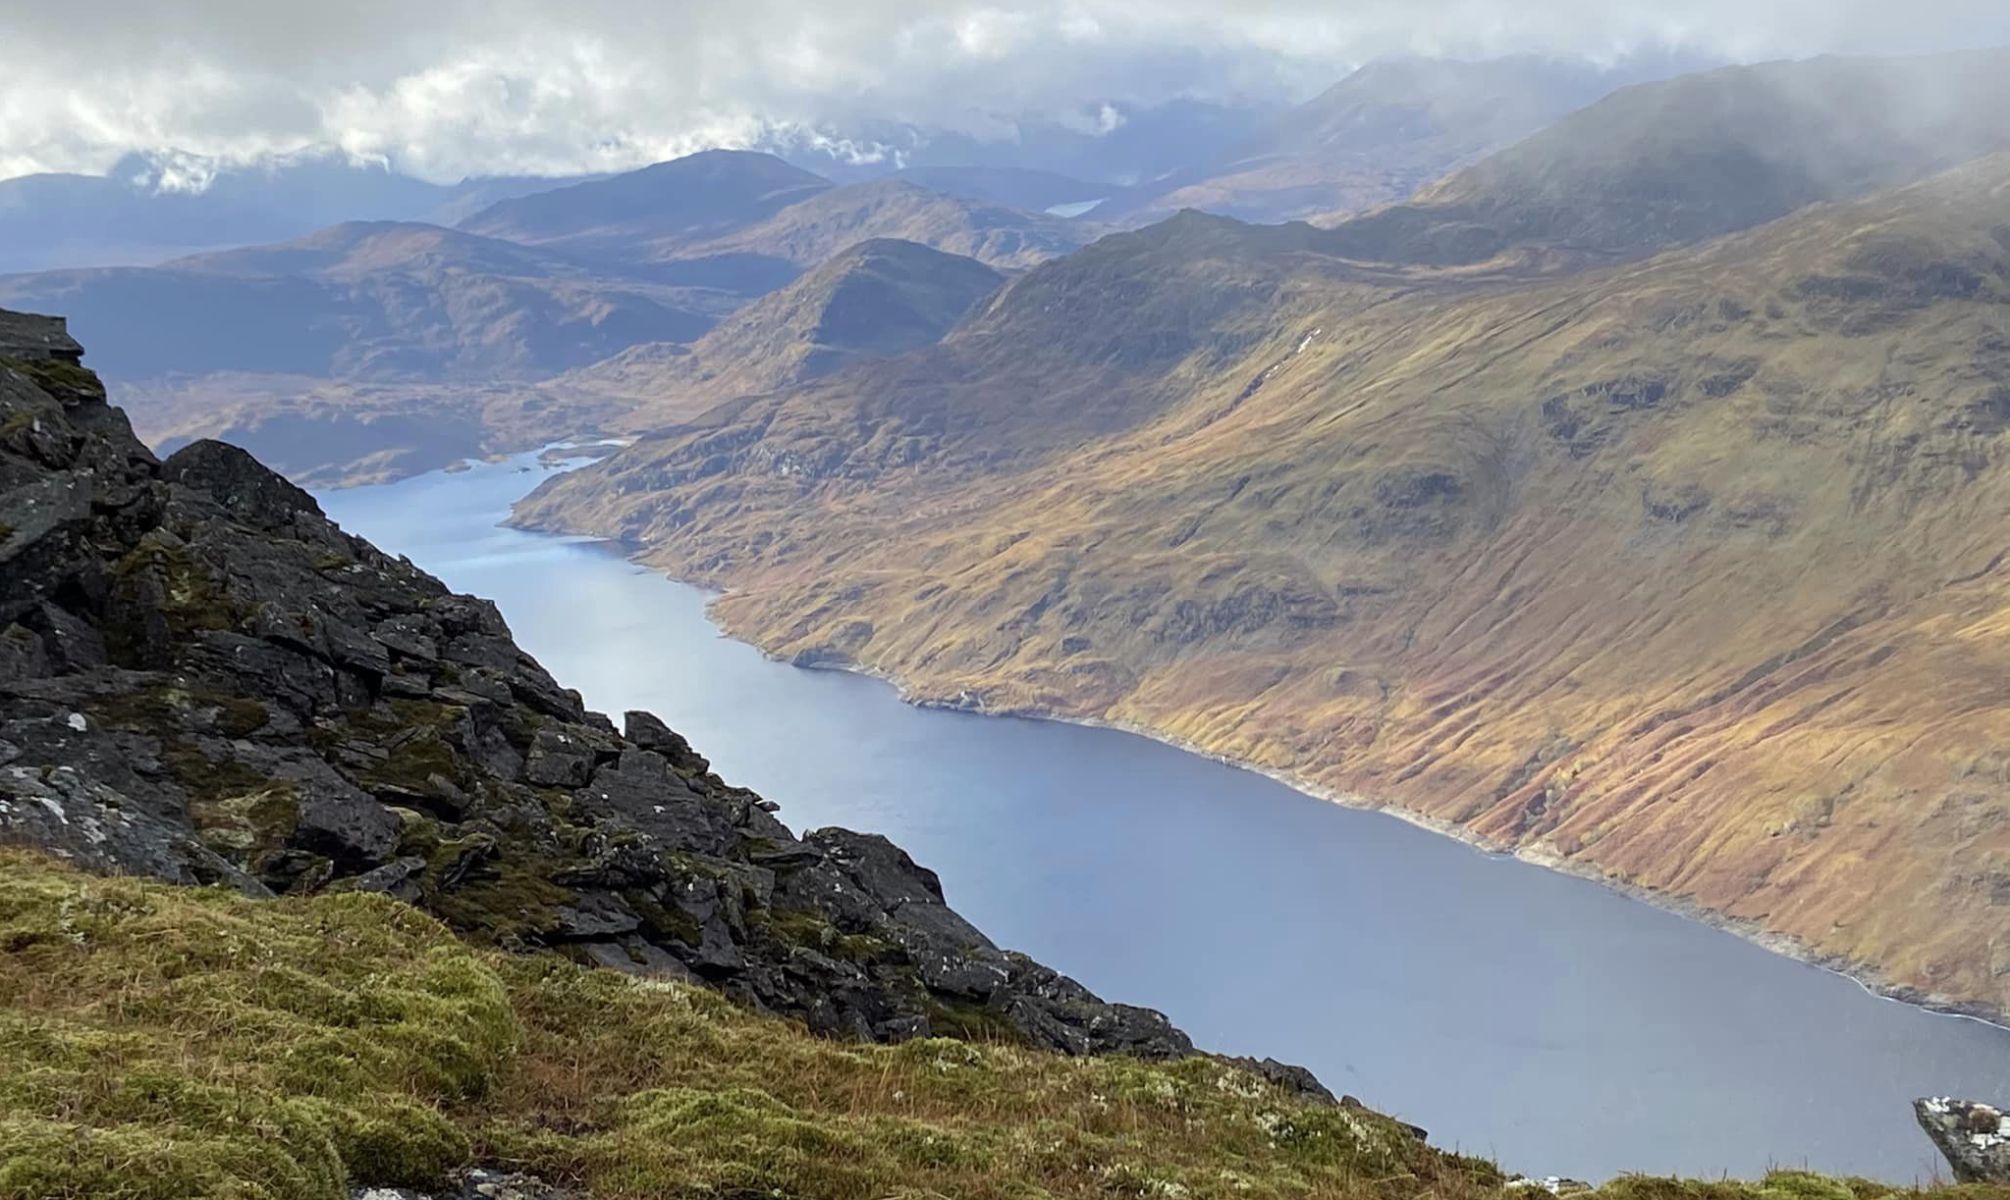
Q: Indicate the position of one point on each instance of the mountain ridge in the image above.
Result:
(1396, 476)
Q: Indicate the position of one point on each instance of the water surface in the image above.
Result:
(1514, 1012)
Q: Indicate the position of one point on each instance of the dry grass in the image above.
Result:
(170, 1044)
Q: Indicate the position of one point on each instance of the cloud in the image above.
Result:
(448, 88)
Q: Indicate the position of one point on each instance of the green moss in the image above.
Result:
(417, 736)
(189, 600)
(57, 378)
(972, 1022)
(507, 900)
(248, 826)
(802, 927)
(164, 1043)
(666, 919)
(161, 1043)
(169, 712)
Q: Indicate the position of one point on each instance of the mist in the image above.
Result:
(459, 88)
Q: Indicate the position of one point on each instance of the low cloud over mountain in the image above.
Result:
(458, 87)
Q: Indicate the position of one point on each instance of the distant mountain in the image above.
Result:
(751, 222)
(147, 210)
(1114, 144)
(369, 300)
(289, 346)
(644, 213)
(1013, 187)
(1704, 154)
(813, 229)
(878, 299)
(1686, 571)
(1380, 134)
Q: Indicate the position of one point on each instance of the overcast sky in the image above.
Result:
(446, 88)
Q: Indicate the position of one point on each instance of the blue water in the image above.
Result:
(1514, 1012)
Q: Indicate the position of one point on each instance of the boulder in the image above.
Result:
(1973, 1137)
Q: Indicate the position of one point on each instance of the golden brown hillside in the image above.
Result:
(1689, 573)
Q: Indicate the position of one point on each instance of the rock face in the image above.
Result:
(34, 338)
(203, 679)
(1974, 1137)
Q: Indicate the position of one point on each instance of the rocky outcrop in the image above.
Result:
(205, 680)
(37, 338)
(1973, 1137)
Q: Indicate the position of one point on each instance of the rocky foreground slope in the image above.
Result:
(203, 680)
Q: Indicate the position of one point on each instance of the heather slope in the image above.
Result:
(1685, 573)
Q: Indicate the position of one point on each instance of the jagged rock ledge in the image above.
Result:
(203, 679)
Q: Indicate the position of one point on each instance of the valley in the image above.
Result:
(1484, 578)
(1516, 1011)
(1681, 572)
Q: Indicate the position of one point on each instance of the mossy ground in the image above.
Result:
(161, 1043)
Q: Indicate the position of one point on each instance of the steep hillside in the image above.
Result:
(1374, 138)
(1702, 155)
(372, 301)
(876, 300)
(1688, 574)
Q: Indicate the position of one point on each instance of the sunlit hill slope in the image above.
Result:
(1688, 573)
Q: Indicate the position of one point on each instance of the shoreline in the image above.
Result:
(1864, 975)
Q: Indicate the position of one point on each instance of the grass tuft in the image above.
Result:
(161, 1043)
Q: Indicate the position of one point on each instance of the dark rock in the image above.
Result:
(597, 915)
(400, 879)
(204, 680)
(35, 337)
(646, 731)
(1297, 1079)
(240, 483)
(346, 825)
(1973, 1137)
(558, 759)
